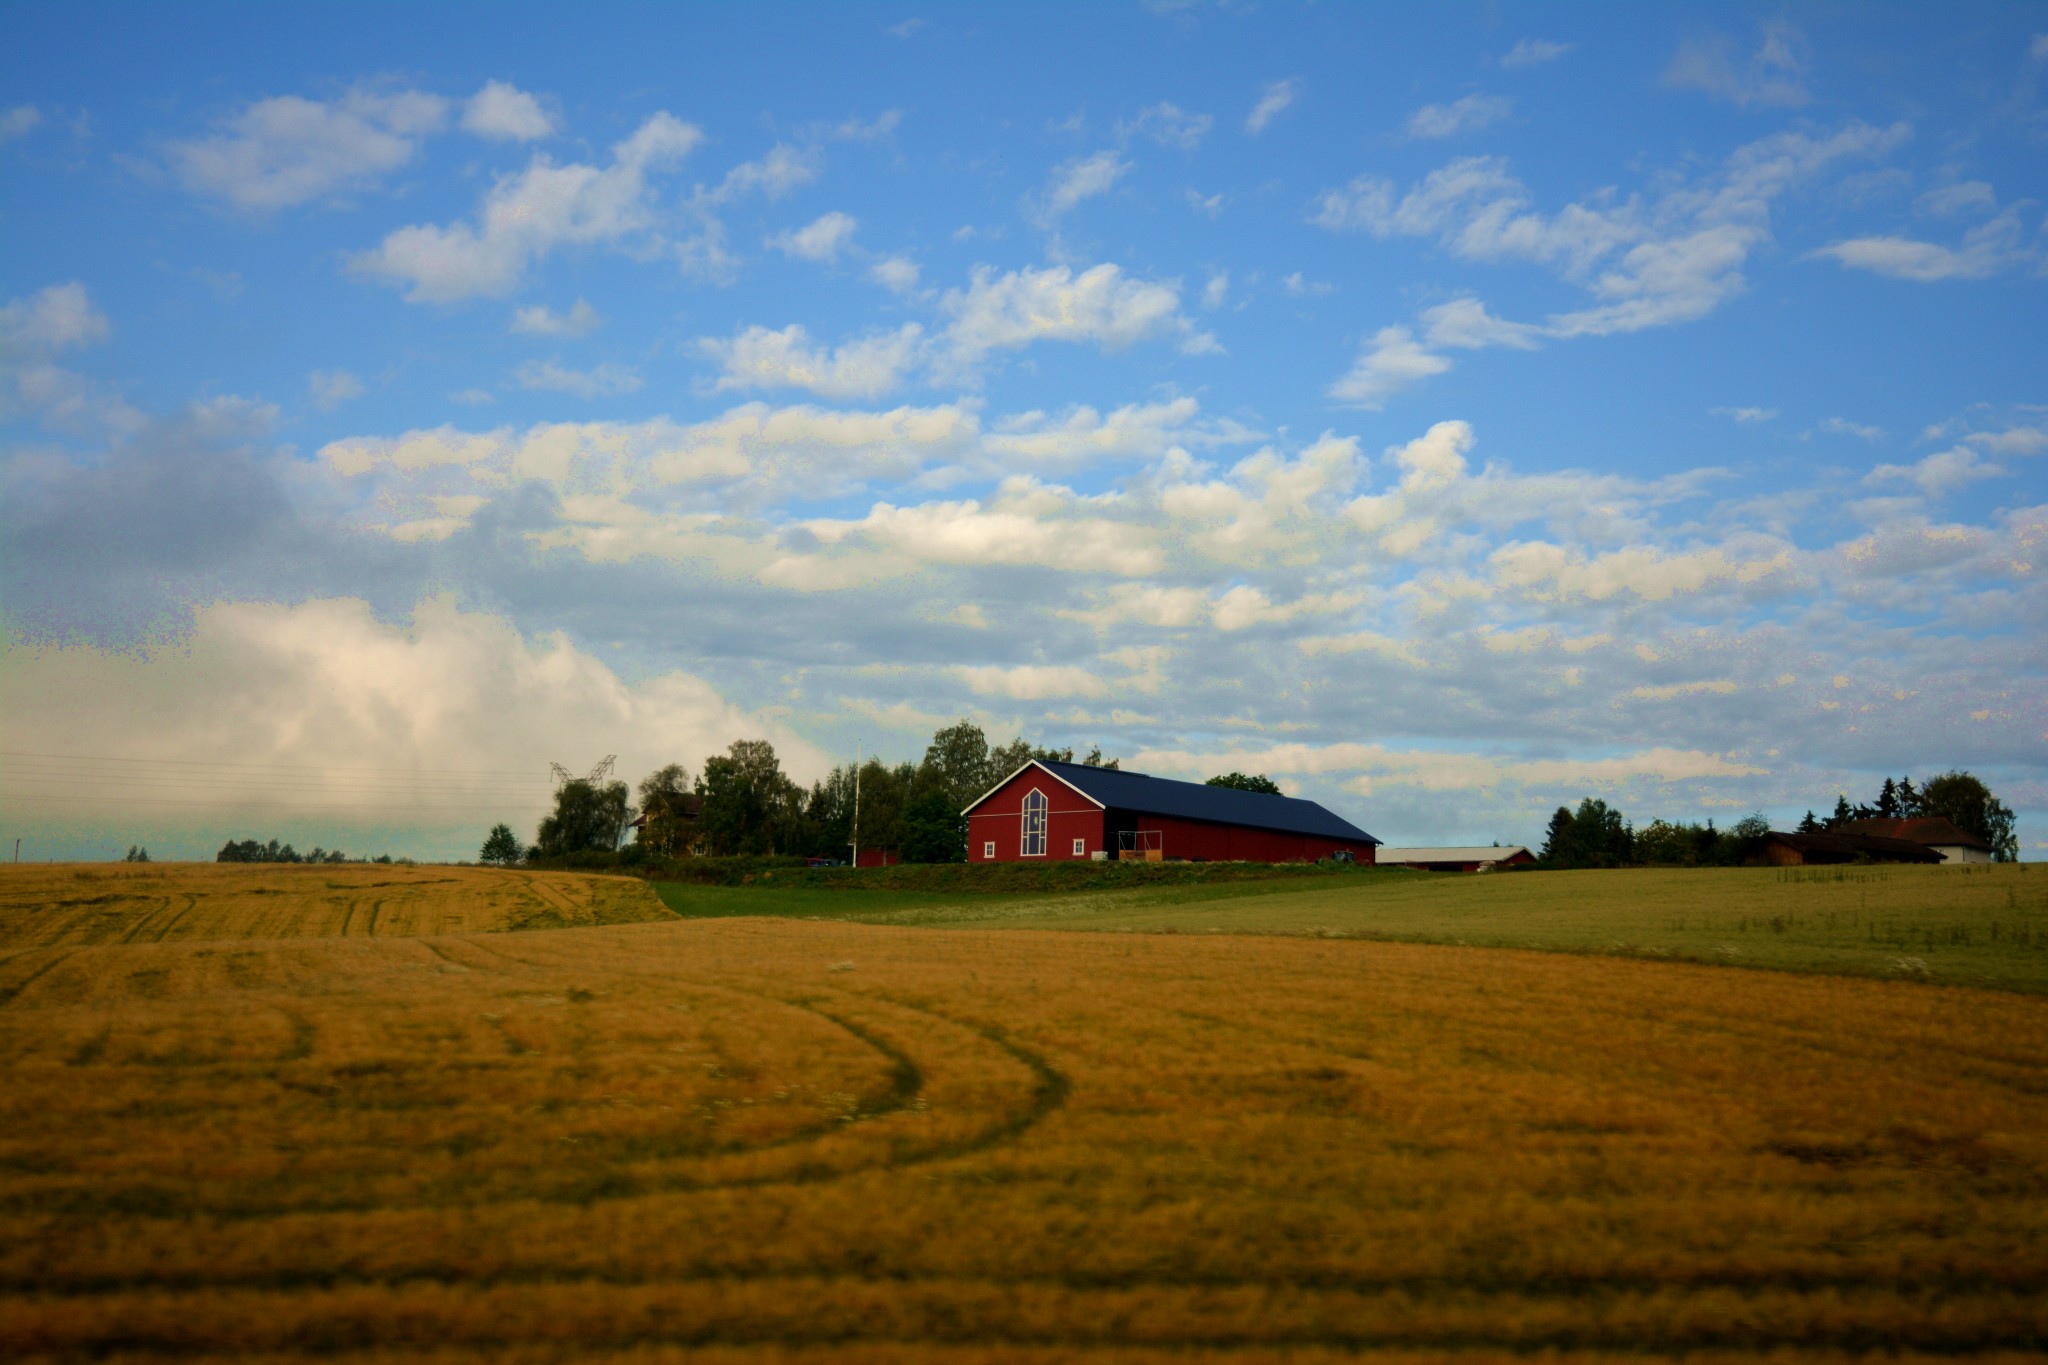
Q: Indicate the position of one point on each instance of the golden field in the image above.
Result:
(65, 905)
(762, 1139)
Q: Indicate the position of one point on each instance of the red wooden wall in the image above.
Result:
(1000, 819)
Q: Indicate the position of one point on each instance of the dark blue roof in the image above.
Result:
(1196, 801)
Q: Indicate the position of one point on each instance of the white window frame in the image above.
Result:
(1080, 848)
(988, 849)
(1035, 804)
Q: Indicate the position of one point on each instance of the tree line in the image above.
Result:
(741, 803)
(1598, 835)
(249, 851)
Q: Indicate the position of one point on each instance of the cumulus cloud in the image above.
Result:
(331, 388)
(602, 381)
(820, 241)
(1939, 474)
(1772, 74)
(1984, 251)
(505, 113)
(1074, 181)
(1100, 306)
(444, 722)
(1271, 104)
(1081, 436)
(19, 121)
(762, 358)
(1168, 124)
(1534, 52)
(1746, 416)
(1032, 682)
(897, 274)
(526, 216)
(1388, 363)
(1467, 115)
(1438, 770)
(56, 318)
(1842, 426)
(282, 152)
(543, 321)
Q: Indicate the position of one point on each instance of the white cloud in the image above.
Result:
(55, 318)
(1534, 52)
(1390, 362)
(1673, 691)
(1646, 264)
(1032, 682)
(1466, 325)
(505, 113)
(1747, 416)
(1967, 196)
(1842, 426)
(1467, 115)
(1169, 124)
(542, 321)
(875, 129)
(1773, 75)
(331, 388)
(1101, 305)
(784, 169)
(1216, 290)
(473, 398)
(1026, 523)
(1985, 251)
(1208, 205)
(19, 121)
(1276, 98)
(1299, 286)
(603, 381)
(2012, 441)
(417, 724)
(760, 358)
(1081, 179)
(528, 215)
(1437, 770)
(897, 274)
(820, 241)
(1550, 572)
(1938, 474)
(282, 152)
(1081, 436)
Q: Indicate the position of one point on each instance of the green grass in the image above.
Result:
(1979, 926)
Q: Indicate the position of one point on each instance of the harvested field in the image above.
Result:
(767, 1140)
(65, 905)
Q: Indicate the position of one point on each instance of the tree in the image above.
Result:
(1809, 825)
(958, 761)
(1909, 799)
(502, 847)
(1964, 801)
(666, 803)
(1096, 760)
(1246, 782)
(1888, 800)
(1557, 842)
(1842, 814)
(586, 817)
(749, 806)
(136, 854)
(1596, 835)
(934, 830)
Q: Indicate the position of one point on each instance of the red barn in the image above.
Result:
(1069, 810)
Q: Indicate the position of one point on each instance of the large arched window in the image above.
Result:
(1034, 825)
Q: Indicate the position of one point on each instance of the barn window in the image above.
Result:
(1080, 847)
(1034, 825)
(988, 848)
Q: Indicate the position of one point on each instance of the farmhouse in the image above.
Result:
(1807, 850)
(1069, 810)
(1456, 859)
(1953, 843)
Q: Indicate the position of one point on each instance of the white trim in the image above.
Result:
(988, 849)
(1080, 848)
(968, 809)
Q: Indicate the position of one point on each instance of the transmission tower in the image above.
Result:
(564, 777)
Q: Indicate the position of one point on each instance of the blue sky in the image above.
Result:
(1450, 411)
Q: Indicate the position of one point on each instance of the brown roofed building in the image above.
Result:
(1944, 836)
(1809, 850)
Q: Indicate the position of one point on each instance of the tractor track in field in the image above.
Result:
(9, 994)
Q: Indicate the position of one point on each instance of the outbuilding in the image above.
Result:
(1829, 846)
(1457, 859)
(1067, 811)
(1954, 843)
